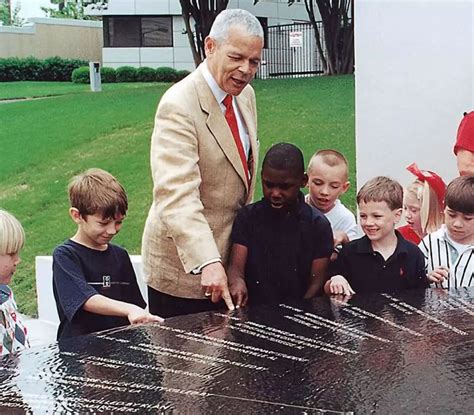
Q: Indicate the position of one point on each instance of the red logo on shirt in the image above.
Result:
(401, 272)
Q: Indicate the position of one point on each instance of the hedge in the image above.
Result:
(126, 74)
(166, 74)
(80, 75)
(145, 74)
(34, 69)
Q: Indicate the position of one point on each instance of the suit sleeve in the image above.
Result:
(177, 178)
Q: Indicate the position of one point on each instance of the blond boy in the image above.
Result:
(382, 260)
(13, 334)
(94, 283)
(328, 174)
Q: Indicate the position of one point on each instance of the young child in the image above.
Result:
(328, 173)
(449, 251)
(13, 334)
(281, 245)
(382, 260)
(423, 205)
(464, 147)
(94, 284)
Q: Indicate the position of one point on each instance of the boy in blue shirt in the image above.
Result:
(94, 283)
(280, 245)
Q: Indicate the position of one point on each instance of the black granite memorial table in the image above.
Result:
(399, 353)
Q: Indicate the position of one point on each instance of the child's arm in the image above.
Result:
(319, 269)
(338, 285)
(340, 270)
(236, 275)
(99, 304)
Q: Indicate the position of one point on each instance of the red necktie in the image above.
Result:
(232, 121)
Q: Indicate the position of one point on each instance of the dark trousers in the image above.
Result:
(165, 305)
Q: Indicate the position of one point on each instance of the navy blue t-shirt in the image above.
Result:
(367, 271)
(79, 273)
(280, 248)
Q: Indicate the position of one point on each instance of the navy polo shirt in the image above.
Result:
(281, 247)
(367, 271)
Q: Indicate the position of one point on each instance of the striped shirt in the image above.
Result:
(440, 251)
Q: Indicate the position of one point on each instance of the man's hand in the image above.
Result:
(438, 275)
(339, 285)
(137, 315)
(214, 284)
(238, 291)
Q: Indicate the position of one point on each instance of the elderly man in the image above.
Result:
(203, 159)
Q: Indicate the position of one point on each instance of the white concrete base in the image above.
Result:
(47, 312)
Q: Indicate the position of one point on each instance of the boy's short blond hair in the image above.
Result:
(12, 235)
(382, 189)
(331, 158)
(460, 195)
(97, 191)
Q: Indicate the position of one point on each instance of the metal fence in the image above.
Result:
(291, 52)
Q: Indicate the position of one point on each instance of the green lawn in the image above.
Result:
(30, 89)
(45, 142)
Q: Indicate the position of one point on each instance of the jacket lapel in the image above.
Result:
(249, 119)
(218, 125)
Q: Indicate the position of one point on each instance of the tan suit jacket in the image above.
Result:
(199, 184)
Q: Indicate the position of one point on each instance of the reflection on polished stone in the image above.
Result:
(400, 353)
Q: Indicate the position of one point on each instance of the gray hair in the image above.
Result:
(235, 17)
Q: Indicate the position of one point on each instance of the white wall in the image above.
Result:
(414, 79)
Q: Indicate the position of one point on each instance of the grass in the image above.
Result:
(30, 89)
(43, 143)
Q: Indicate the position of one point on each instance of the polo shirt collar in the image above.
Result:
(365, 247)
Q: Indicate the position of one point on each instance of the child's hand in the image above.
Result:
(338, 285)
(238, 291)
(340, 238)
(138, 315)
(439, 274)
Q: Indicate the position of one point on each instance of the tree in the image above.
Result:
(203, 14)
(338, 25)
(10, 17)
(69, 9)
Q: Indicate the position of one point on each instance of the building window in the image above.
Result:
(138, 31)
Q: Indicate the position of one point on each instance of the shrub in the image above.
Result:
(166, 74)
(145, 74)
(183, 73)
(33, 69)
(60, 69)
(126, 74)
(108, 75)
(10, 69)
(80, 75)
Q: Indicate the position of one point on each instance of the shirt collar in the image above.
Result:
(219, 94)
(365, 247)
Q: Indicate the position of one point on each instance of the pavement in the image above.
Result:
(40, 333)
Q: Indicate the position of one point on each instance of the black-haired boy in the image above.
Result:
(280, 245)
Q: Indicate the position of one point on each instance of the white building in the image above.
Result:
(152, 32)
